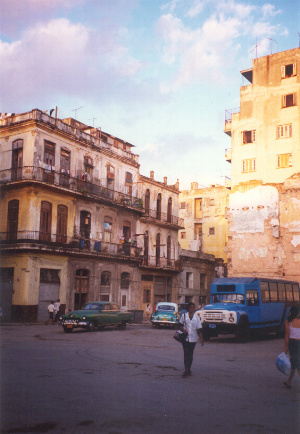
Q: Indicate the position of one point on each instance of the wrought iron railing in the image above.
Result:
(79, 183)
(152, 214)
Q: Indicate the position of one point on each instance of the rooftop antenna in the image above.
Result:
(93, 121)
(271, 44)
(75, 110)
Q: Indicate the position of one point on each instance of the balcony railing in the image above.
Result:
(161, 262)
(229, 113)
(151, 214)
(79, 184)
(67, 242)
(40, 116)
(228, 153)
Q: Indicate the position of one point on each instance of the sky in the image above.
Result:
(156, 73)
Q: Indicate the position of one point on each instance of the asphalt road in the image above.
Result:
(129, 381)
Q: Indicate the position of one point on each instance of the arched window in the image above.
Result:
(157, 250)
(169, 211)
(17, 159)
(105, 285)
(62, 224)
(169, 245)
(45, 221)
(128, 183)
(12, 219)
(85, 227)
(82, 284)
(158, 207)
(146, 248)
(147, 201)
(125, 280)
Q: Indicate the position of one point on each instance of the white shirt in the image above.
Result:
(191, 326)
(51, 307)
(56, 306)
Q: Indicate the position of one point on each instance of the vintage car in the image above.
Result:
(96, 315)
(166, 314)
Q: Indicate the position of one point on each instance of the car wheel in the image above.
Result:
(91, 327)
(122, 326)
(68, 330)
(242, 332)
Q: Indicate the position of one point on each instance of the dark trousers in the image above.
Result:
(188, 351)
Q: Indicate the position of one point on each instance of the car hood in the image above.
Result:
(226, 306)
(80, 313)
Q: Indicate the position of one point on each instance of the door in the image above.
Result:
(169, 210)
(157, 250)
(48, 291)
(12, 219)
(62, 222)
(17, 164)
(45, 221)
(6, 291)
(158, 207)
(82, 284)
(49, 160)
(85, 227)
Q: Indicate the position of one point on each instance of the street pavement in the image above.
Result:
(115, 381)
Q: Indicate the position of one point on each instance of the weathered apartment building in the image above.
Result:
(264, 203)
(79, 222)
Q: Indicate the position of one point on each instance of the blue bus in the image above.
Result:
(241, 305)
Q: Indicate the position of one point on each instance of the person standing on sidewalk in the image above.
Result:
(190, 323)
(51, 310)
(56, 307)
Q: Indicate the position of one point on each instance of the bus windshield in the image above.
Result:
(228, 298)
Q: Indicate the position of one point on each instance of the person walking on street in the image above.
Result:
(56, 307)
(190, 323)
(51, 310)
(292, 342)
(148, 310)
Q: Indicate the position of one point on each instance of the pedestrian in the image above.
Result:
(292, 342)
(51, 310)
(148, 310)
(56, 307)
(190, 323)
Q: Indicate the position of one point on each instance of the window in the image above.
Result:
(128, 183)
(158, 207)
(249, 165)
(296, 292)
(284, 160)
(107, 229)
(157, 250)
(169, 245)
(105, 278)
(189, 280)
(49, 160)
(273, 291)
(12, 219)
(17, 159)
(45, 221)
(105, 283)
(183, 235)
(211, 202)
(198, 208)
(182, 205)
(82, 285)
(88, 169)
(198, 231)
(146, 248)
(252, 298)
(147, 201)
(249, 136)
(264, 291)
(169, 210)
(289, 292)
(203, 281)
(283, 131)
(288, 70)
(146, 296)
(62, 224)
(288, 100)
(125, 280)
(211, 231)
(281, 292)
(110, 170)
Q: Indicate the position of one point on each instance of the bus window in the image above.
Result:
(264, 290)
(296, 292)
(289, 291)
(252, 298)
(281, 292)
(273, 291)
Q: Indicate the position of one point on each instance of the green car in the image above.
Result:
(165, 314)
(96, 315)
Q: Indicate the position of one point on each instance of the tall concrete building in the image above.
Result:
(264, 203)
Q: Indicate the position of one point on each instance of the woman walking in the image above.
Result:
(292, 342)
(190, 323)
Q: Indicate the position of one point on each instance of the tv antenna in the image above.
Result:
(93, 119)
(269, 39)
(75, 110)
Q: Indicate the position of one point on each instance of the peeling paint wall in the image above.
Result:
(264, 230)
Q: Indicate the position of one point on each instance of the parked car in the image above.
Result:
(95, 315)
(166, 314)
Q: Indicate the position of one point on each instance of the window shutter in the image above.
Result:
(290, 160)
(254, 165)
(290, 130)
(254, 136)
(294, 69)
(283, 72)
(283, 101)
(277, 132)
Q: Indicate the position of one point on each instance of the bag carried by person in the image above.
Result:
(283, 364)
(180, 336)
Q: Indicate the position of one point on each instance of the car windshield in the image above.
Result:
(165, 307)
(92, 306)
(228, 298)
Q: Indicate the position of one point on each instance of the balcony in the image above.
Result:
(41, 241)
(161, 263)
(228, 153)
(162, 218)
(228, 119)
(77, 184)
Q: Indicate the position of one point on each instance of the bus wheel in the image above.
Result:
(242, 332)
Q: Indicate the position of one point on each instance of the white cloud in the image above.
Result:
(196, 8)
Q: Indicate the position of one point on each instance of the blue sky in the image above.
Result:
(156, 73)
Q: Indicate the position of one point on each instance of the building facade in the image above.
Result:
(79, 222)
(264, 203)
